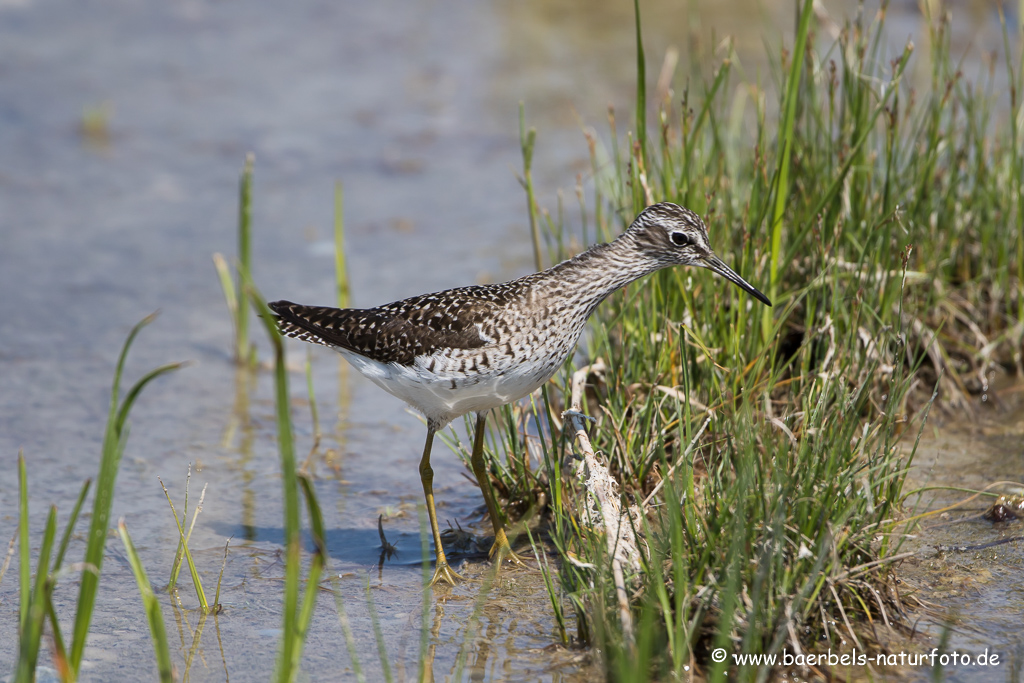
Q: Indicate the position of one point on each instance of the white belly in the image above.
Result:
(445, 393)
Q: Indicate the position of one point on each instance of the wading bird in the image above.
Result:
(475, 348)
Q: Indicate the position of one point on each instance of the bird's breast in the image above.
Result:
(520, 356)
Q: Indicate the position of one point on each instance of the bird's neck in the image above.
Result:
(591, 276)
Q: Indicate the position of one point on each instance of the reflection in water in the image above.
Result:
(427, 665)
(478, 668)
(240, 421)
(344, 409)
(314, 412)
(190, 638)
(332, 458)
(387, 551)
(479, 646)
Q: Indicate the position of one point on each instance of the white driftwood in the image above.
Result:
(603, 511)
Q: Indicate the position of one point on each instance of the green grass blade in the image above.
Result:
(316, 568)
(786, 135)
(340, 267)
(220, 578)
(527, 140)
(115, 392)
(72, 520)
(113, 446)
(35, 615)
(641, 87)
(149, 600)
(289, 483)
(133, 393)
(24, 551)
(227, 287)
(549, 584)
(60, 654)
(243, 349)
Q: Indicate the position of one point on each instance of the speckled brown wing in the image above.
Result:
(394, 333)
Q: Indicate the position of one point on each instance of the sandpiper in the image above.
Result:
(475, 348)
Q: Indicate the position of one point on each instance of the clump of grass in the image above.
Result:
(183, 551)
(37, 606)
(877, 216)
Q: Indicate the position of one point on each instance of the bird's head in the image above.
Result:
(673, 235)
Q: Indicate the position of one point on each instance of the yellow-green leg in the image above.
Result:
(442, 572)
(501, 547)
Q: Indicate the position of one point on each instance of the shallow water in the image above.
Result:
(414, 107)
(970, 570)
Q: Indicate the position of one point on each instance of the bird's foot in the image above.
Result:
(501, 552)
(443, 572)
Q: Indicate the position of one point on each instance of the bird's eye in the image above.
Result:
(681, 239)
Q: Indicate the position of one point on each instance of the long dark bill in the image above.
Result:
(715, 264)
